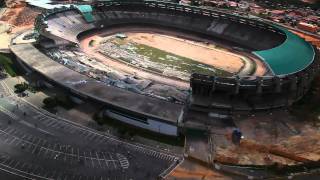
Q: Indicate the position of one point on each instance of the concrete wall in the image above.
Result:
(229, 30)
(251, 93)
(145, 123)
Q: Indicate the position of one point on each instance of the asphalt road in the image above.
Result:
(37, 145)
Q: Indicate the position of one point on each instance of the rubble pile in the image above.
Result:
(80, 62)
(127, 53)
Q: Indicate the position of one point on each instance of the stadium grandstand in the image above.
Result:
(290, 61)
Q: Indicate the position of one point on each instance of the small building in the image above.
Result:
(121, 35)
(308, 27)
(277, 12)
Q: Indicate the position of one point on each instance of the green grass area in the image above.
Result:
(167, 59)
(8, 65)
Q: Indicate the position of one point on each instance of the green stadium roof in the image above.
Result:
(86, 11)
(293, 55)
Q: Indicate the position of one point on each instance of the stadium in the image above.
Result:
(119, 53)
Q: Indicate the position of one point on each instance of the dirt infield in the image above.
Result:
(91, 51)
(201, 52)
(197, 47)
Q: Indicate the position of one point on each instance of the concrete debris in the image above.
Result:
(80, 62)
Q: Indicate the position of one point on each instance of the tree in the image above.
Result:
(50, 102)
(19, 88)
(98, 118)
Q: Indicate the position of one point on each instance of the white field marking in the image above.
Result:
(35, 148)
(24, 135)
(24, 164)
(124, 163)
(17, 164)
(8, 127)
(50, 123)
(16, 174)
(172, 169)
(11, 161)
(6, 139)
(104, 157)
(40, 151)
(29, 137)
(91, 159)
(114, 163)
(55, 151)
(24, 172)
(8, 113)
(9, 131)
(14, 139)
(15, 131)
(65, 157)
(15, 117)
(5, 158)
(98, 159)
(18, 142)
(46, 152)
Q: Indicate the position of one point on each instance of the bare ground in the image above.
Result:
(189, 170)
(204, 53)
(90, 50)
(20, 18)
(275, 138)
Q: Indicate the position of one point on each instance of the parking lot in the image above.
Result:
(38, 145)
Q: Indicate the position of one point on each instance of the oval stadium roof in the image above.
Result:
(293, 55)
(86, 11)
